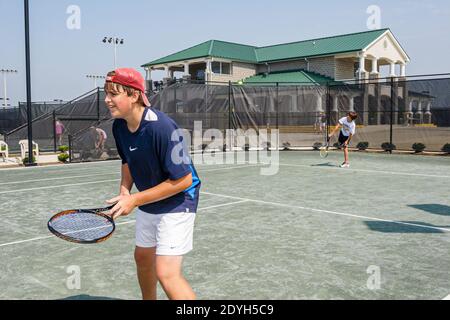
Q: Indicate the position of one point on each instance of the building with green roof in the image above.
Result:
(324, 61)
(336, 58)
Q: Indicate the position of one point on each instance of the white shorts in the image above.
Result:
(170, 233)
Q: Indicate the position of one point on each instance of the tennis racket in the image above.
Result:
(323, 151)
(82, 225)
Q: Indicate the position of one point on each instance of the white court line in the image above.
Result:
(47, 237)
(327, 211)
(447, 297)
(229, 168)
(117, 224)
(60, 178)
(100, 181)
(59, 186)
(62, 165)
(362, 170)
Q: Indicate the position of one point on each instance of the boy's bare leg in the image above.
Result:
(146, 270)
(168, 272)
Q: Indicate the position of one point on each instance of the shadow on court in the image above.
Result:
(88, 297)
(433, 208)
(389, 227)
(327, 164)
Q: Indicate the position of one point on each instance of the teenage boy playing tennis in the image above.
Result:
(348, 128)
(168, 185)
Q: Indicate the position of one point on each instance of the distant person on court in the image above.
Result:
(59, 130)
(323, 122)
(155, 159)
(348, 129)
(99, 138)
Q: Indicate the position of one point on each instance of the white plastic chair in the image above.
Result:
(24, 149)
(4, 153)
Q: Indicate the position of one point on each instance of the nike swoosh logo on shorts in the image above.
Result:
(132, 149)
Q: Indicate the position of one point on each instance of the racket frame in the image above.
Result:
(95, 211)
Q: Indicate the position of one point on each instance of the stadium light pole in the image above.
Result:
(5, 96)
(115, 41)
(28, 77)
(95, 77)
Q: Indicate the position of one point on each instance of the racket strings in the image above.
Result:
(83, 226)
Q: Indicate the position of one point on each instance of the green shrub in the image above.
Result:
(25, 160)
(386, 146)
(317, 145)
(113, 153)
(63, 148)
(63, 157)
(418, 147)
(446, 148)
(286, 146)
(363, 145)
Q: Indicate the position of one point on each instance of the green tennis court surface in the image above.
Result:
(378, 230)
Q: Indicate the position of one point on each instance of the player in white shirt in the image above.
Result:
(348, 129)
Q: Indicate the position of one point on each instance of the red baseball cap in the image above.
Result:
(131, 78)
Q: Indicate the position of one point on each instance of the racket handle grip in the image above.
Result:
(102, 209)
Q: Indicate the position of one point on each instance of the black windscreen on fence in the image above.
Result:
(13, 118)
(398, 111)
(74, 116)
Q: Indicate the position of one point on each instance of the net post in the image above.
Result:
(70, 148)
(98, 103)
(327, 110)
(54, 130)
(229, 104)
(28, 85)
(392, 114)
(277, 105)
(175, 95)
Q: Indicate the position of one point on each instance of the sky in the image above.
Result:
(63, 54)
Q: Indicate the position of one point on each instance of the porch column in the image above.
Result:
(208, 70)
(392, 70)
(148, 79)
(166, 70)
(419, 111)
(335, 110)
(351, 106)
(319, 103)
(374, 72)
(403, 70)
(362, 70)
(409, 114)
(428, 113)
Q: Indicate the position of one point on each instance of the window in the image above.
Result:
(221, 67)
(226, 68)
(215, 67)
